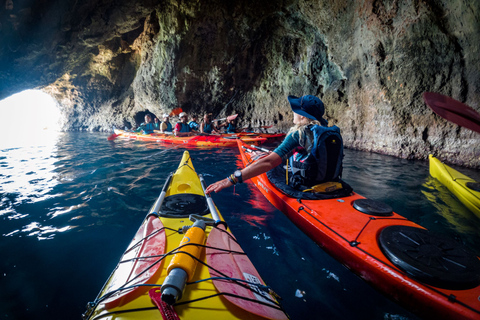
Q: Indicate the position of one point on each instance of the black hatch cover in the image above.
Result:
(435, 260)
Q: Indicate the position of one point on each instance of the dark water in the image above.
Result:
(69, 208)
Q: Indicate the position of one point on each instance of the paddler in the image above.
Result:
(156, 123)
(230, 126)
(308, 119)
(182, 129)
(166, 125)
(193, 124)
(207, 126)
(147, 126)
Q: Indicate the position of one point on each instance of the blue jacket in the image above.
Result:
(194, 125)
(146, 127)
(231, 128)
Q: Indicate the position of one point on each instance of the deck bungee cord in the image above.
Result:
(252, 286)
(355, 243)
(143, 282)
(428, 273)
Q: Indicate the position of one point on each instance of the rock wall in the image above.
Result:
(108, 62)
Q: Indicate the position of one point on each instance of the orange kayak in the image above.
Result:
(226, 140)
(431, 275)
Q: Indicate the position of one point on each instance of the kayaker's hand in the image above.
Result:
(218, 186)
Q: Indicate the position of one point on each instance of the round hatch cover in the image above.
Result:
(373, 207)
(183, 205)
(429, 258)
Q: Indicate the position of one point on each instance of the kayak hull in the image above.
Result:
(202, 297)
(351, 237)
(457, 183)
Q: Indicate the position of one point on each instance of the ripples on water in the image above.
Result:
(70, 207)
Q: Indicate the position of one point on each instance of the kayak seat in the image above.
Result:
(277, 177)
(183, 205)
(373, 207)
(432, 259)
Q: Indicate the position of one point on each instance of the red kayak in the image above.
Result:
(213, 140)
(430, 275)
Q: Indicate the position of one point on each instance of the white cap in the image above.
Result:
(165, 115)
(182, 114)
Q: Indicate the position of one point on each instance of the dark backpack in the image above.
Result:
(322, 162)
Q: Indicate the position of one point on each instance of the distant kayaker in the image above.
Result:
(156, 123)
(147, 127)
(230, 126)
(193, 124)
(207, 126)
(182, 129)
(166, 125)
(308, 121)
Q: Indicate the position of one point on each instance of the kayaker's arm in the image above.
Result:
(259, 167)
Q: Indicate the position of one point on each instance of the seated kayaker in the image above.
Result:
(193, 124)
(304, 146)
(182, 129)
(156, 123)
(166, 125)
(147, 126)
(207, 126)
(230, 126)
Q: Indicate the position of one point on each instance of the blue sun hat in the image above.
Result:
(308, 106)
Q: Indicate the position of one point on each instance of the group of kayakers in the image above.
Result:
(312, 151)
(186, 128)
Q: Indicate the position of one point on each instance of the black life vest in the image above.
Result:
(319, 159)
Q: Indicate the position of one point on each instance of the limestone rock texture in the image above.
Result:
(109, 62)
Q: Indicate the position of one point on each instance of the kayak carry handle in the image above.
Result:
(211, 205)
(158, 204)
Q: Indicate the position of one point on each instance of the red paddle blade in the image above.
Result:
(453, 110)
(112, 136)
(139, 264)
(230, 260)
(176, 112)
(232, 117)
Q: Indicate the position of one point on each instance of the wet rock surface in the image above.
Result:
(108, 62)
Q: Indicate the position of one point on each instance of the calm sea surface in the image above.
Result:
(70, 205)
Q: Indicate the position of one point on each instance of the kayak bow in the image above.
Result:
(178, 270)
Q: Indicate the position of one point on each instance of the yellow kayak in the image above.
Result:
(184, 263)
(464, 188)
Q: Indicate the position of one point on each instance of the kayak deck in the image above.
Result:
(458, 184)
(353, 236)
(224, 140)
(224, 284)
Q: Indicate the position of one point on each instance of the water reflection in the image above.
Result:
(35, 229)
(28, 171)
(449, 207)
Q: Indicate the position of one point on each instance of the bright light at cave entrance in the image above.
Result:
(30, 117)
